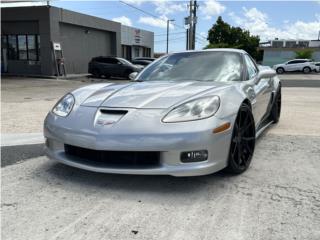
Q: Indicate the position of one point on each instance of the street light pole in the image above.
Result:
(168, 24)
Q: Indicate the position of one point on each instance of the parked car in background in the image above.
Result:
(301, 65)
(318, 66)
(145, 58)
(112, 67)
(143, 63)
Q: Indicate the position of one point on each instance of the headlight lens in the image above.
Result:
(196, 109)
(64, 106)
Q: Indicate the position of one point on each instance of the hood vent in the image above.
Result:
(113, 112)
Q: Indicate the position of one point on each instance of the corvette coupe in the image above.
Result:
(186, 114)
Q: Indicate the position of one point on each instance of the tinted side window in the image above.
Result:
(110, 60)
(251, 68)
(296, 61)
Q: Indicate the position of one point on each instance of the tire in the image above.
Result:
(242, 141)
(96, 73)
(276, 107)
(127, 73)
(280, 70)
(306, 70)
(107, 75)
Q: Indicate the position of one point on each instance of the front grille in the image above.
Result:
(123, 159)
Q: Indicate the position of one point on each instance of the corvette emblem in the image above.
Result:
(104, 122)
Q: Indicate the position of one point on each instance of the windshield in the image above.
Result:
(124, 61)
(195, 66)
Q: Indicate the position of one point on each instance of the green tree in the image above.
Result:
(222, 35)
(304, 53)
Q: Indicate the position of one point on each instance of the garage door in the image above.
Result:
(80, 44)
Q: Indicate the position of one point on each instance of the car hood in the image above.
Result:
(148, 94)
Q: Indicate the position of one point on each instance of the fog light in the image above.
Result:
(194, 156)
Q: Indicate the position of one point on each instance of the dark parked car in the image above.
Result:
(112, 67)
(143, 63)
(145, 58)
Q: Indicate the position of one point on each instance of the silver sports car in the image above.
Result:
(186, 114)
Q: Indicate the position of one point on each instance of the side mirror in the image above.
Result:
(132, 76)
(265, 73)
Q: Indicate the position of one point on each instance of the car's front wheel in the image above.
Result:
(242, 141)
(280, 70)
(96, 73)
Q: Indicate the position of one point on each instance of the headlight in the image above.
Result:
(196, 109)
(64, 106)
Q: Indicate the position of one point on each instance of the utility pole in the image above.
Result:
(168, 25)
(190, 22)
(194, 22)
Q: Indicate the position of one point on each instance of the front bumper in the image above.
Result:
(149, 135)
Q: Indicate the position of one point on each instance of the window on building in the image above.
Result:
(136, 52)
(32, 47)
(22, 47)
(291, 44)
(12, 47)
(146, 52)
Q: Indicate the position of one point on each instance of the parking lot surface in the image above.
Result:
(277, 198)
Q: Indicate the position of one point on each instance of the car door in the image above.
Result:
(119, 67)
(290, 66)
(259, 90)
(296, 65)
(105, 67)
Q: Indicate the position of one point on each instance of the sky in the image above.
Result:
(268, 19)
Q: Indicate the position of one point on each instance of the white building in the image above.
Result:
(279, 51)
(136, 42)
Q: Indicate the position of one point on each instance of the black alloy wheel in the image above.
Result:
(280, 70)
(307, 70)
(242, 142)
(276, 108)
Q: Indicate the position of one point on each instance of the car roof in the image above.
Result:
(300, 59)
(105, 57)
(216, 50)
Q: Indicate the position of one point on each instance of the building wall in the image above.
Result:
(63, 26)
(31, 20)
(83, 37)
(276, 56)
(137, 39)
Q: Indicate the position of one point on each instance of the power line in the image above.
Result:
(172, 33)
(157, 17)
(170, 39)
(150, 14)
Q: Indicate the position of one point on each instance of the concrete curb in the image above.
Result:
(15, 139)
(301, 83)
(18, 147)
(13, 154)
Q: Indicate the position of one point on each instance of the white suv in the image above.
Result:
(302, 65)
